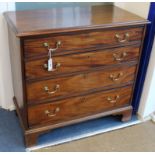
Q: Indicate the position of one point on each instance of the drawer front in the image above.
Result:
(67, 86)
(78, 107)
(73, 42)
(80, 62)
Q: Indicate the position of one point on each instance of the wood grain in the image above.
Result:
(80, 62)
(17, 73)
(34, 131)
(88, 42)
(37, 22)
(78, 107)
(78, 83)
(82, 41)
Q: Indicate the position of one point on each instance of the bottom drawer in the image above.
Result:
(77, 107)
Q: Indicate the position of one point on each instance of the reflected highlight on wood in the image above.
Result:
(95, 53)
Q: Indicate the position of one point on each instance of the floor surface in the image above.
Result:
(136, 138)
(139, 137)
(11, 136)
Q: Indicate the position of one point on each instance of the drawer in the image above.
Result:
(81, 41)
(78, 107)
(80, 62)
(72, 85)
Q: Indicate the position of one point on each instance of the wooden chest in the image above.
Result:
(73, 64)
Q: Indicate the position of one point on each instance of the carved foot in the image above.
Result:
(126, 115)
(31, 139)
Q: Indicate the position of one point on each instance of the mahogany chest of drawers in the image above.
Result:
(73, 64)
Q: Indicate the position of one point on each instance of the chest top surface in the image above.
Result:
(34, 22)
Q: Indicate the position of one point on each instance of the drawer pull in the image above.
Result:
(118, 57)
(58, 43)
(115, 77)
(113, 100)
(124, 39)
(52, 92)
(52, 113)
(54, 69)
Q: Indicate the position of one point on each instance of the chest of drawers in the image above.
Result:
(95, 58)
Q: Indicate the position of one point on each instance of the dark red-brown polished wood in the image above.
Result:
(72, 42)
(94, 67)
(37, 22)
(79, 106)
(81, 62)
(76, 84)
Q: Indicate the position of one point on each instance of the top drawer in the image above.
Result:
(81, 41)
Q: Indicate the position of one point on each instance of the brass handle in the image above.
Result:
(122, 39)
(118, 57)
(54, 69)
(52, 113)
(115, 77)
(57, 87)
(58, 43)
(113, 100)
